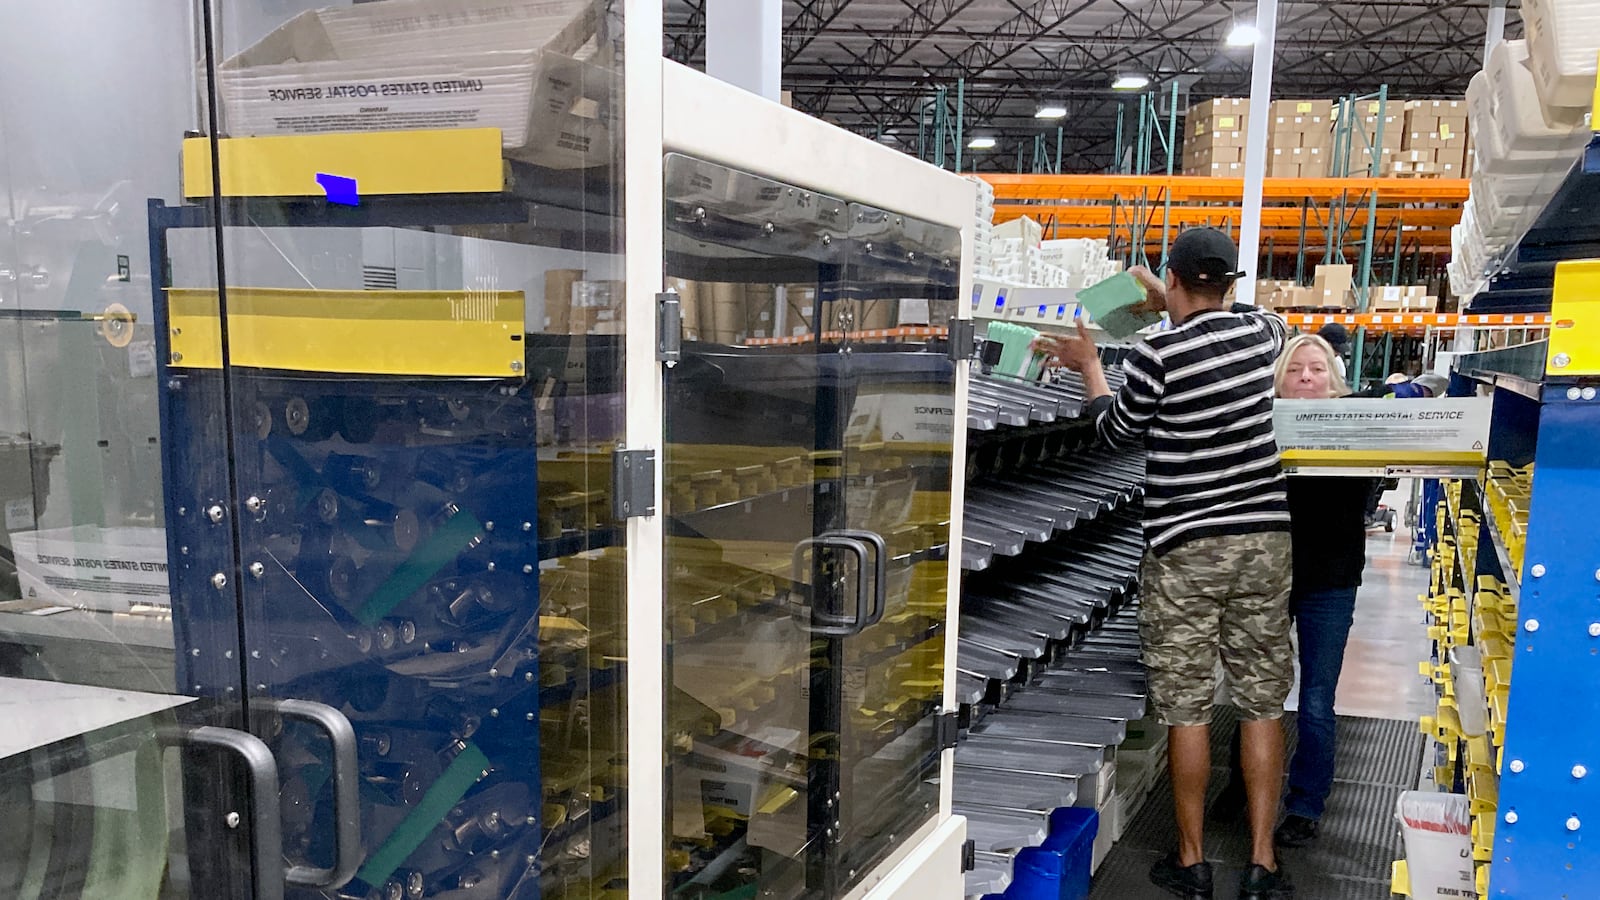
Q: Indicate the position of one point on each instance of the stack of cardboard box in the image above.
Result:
(1401, 298)
(1331, 284)
(1436, 140)
(1214, 135)
(1299, 144)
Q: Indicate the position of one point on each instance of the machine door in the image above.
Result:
(791, 525)
(903, 276)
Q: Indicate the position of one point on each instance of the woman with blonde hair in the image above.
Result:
(1327, 519)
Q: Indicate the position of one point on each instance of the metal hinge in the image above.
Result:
(947, 730)
(669, 328)
(963, 339)
(969, 855)
(633, 483)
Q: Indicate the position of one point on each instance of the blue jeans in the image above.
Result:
(1322, 622)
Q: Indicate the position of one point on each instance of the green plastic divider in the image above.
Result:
(444, 545)
(462, 773)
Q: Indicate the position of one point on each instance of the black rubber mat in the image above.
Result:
(1377, 759)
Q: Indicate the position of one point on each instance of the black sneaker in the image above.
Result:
(1261, 883)
(1296, 831)
(1189, 882)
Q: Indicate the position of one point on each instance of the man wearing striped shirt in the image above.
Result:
(1215, 582)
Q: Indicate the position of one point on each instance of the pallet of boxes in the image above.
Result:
(1435, 143)
(1301, 139)
(1401, 298)
(1330, 291)
(1214, 136)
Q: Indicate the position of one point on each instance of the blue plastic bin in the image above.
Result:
(1060, 869)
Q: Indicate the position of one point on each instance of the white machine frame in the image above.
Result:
(670, 107)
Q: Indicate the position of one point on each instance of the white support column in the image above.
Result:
(744, 44)
(1255, 152)
(1495, 29)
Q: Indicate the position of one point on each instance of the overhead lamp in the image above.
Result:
(982, 143)
(1051, 112)
(1243, 35)
(1130, 83)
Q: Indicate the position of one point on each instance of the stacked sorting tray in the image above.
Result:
(1005, 513)
(998, 401)
(1048, 647)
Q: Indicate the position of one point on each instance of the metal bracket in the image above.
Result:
(963, 339)
(633, 483)
(969, 855)
(947, 730)
(669, 328)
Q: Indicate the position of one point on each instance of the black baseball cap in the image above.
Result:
(1205, 255)
(1337, 336)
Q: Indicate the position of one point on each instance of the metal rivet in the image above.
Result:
(494, 713)
(527, 569)
(1511, 817)
(1580, 771)
(527, 526)
(255, 654)
(177, 331)
(1561, 361)
(262, 688)
(254, 504)
(490, 566)
(488, 526)
(528, 676)
(195, 652)
(1517, 765)
(177, 357)
(214, 513)
(768, 228)
(227, 654)
(1532, 625)
(1574, 393)
(257, 569)
(530, 717)
(219, 581)
(1573, 824)
(1588, 393)
(1538, 570)
(516, 367)
(232, 819)
(1594, 629)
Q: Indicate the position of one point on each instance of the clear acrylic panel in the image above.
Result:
(805, 563)
(119, 751)
(424, 392)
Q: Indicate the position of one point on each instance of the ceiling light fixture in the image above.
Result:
(1051, 112)
(981, 144)
(1243, 35)
(1130, 83)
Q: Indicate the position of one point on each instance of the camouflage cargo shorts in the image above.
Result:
(1224, 597)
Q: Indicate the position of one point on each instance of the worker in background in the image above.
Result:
(1215, 579)
(1327, 517)
(1338, 337)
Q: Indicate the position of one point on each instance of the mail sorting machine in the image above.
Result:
(1048, 651)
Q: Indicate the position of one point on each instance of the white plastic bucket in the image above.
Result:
(1437, 829)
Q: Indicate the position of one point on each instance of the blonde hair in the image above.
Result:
(1336, 383)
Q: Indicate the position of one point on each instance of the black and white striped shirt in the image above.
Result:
(1200, 398)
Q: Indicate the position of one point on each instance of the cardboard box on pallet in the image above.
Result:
(1330, 285)
(1316, 109)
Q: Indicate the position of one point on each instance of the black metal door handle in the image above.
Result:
(266, 833)
(880, 571)
(817, 621)
(346, 801)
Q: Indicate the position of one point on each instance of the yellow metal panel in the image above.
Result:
(1366, 458)
(443, 161)
(438, 333)
(1575, 319)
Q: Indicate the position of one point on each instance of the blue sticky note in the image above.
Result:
(340, 190)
